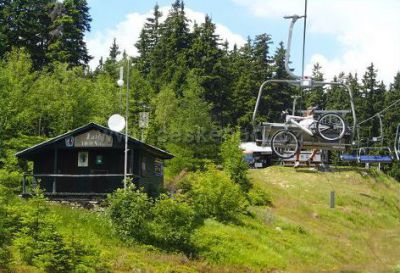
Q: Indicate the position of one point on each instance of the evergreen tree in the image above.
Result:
(372, 94)
(148, 39)
(315, 96)
(278, 97)
(69, 27)
(243, 84)
(26, 24)
(262, 59)
(392, 117)
(207, 58)
(114, 51)
(169, 57)
(111, 65)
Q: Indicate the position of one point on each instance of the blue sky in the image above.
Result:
(341, 34)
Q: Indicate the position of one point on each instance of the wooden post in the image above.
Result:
(55, 170)
(24, 185)
(332, 200)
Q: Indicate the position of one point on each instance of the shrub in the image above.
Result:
(172, 224)
(4, 240)
(129, 211)
(258, 196)
(11, 180)
(41, 245)
(214, 194)
(6, 225)
(233, 161)
(394, 171)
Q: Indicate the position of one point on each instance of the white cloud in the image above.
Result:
(127, 33)
(367, 31)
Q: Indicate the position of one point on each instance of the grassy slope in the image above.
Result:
(299, 233)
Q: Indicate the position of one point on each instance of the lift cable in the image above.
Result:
(381, 112)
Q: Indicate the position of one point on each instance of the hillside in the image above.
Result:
(298, 232)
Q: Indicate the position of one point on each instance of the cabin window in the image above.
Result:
(83, 159)
(99, 160)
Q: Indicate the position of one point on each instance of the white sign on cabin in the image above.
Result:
(144, 119)
(93, 138)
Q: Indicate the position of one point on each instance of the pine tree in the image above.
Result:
(114, 51)
(372, 94)
(148, 39)
(26, 24)
(69, 26)
(392, 116)
(243, 84)
(262, 60)
(208, 60)
(3, 21)
(111, 65)
(277, 97)
(169, 57)
(315, 96)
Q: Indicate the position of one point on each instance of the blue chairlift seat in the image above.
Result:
(375, 159)
(349, 157)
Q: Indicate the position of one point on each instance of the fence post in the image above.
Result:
(24, 185)
(332, 200)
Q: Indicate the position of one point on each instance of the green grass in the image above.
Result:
(297, 233)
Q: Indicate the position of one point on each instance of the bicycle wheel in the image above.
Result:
(284, 144)
(331, 127)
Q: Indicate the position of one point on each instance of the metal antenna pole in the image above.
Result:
(304, 38)
(126, 126)
(121, 78)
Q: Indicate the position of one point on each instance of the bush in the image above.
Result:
(172, 224)
(41, 245)
(395, 171)
(259, 197)
(129, 211)
(214, 194)
(233, 161)
(6, 223)
(11, 180)
(165, 223)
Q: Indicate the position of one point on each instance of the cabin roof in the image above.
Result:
(149, 148)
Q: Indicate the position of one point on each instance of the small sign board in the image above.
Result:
(144, 119)
(93, 138)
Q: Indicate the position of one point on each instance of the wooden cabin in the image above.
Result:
(89, 162)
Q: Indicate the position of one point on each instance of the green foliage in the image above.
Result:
(11, 180)
(233, 160)
(42, 245)
(5, 228)
(49, 30)
(258, 196)
(165, 223)
(394, 171)
(172, 224)
(129, 211)
(214, 194)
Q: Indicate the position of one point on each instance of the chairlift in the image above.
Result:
(329, 131)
